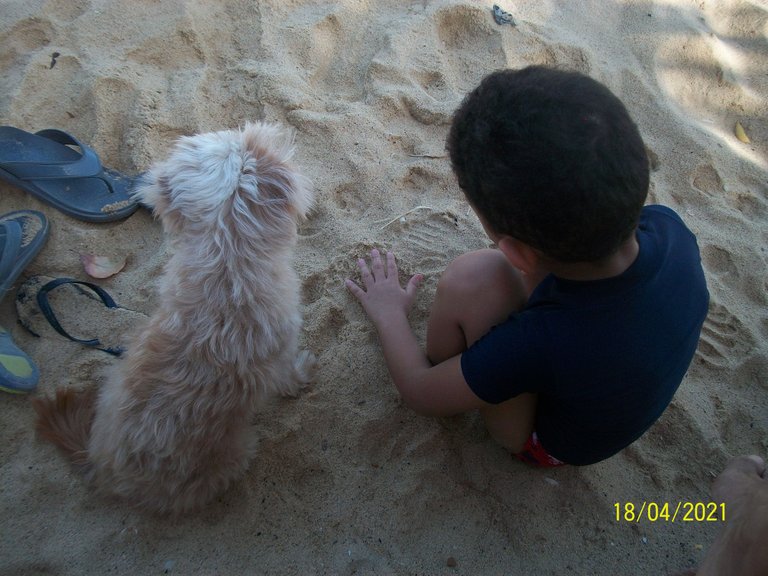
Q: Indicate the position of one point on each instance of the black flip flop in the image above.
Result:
(47, 311)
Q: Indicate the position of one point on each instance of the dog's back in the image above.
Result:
(169, 429)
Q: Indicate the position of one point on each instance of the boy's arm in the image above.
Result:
(431, 390)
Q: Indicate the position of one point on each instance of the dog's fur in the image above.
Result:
(170, 429)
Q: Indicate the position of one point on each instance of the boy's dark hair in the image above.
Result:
(553, 159)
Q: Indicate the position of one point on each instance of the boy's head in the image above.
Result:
(552, 159)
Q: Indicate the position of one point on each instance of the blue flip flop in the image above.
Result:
(18, 373)
(22, 235)
(45, 165)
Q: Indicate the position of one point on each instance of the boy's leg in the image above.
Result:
(477, 291)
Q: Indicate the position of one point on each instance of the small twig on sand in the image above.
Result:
(426, 156)
(396, 218)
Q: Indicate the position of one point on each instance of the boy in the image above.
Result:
(573, 336)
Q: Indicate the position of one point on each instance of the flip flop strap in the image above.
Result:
(11, 233)
(45, 308)
(87, 165)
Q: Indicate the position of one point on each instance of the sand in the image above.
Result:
(347, 480)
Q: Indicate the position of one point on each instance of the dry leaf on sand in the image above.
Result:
(101, 266)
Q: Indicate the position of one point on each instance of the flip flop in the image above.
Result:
(81, 307)
(22, 235)
(45, 165)
(18, 373)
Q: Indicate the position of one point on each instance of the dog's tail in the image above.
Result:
(65, 421)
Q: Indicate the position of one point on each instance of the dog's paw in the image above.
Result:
(303, 372)
(304, 367)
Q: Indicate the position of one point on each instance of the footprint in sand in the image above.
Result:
(719, 261)
(30, 69)
(457, 45)
(22, 43)
(656, 454)
(326, 301)
(394, 435)
(348, 197)
(737, 425)
(725, 340)
(419, 237)
(750, 375)
(752, 198)
(707, 180)
(184, 44)
(449, 61)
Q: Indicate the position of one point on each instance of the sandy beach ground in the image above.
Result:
(347, 480)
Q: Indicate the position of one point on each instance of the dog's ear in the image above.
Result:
(303, 197)
(282, 183)
(164, 209)
(270, 148)
(154, 191)
(148, 191)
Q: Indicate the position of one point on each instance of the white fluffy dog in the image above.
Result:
(170, 429)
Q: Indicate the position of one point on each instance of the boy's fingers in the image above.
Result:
(391, 265)
(413, 284)
(376, 265)
(354, 288)
(365, 273)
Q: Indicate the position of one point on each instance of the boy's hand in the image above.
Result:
(383, 296)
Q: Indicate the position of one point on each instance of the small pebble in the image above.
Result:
(451, 562)
(502, 17)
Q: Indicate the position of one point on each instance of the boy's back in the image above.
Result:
(606, 356)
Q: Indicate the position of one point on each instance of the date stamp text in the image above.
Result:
(669, 512)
